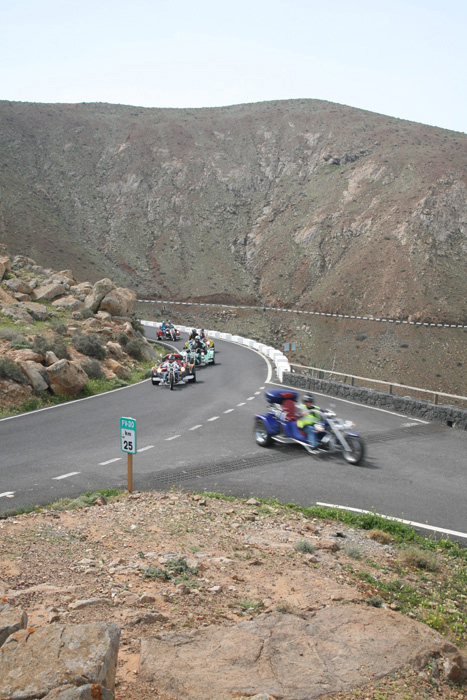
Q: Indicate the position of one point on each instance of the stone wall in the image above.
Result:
(450, 415)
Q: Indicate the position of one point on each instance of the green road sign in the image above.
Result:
(128, 435)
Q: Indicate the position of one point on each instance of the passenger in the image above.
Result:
(311, 414)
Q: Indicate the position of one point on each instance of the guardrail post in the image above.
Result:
(353, 381)
(390, 389)
(436, 399)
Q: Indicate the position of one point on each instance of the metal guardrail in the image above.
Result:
(329, 374)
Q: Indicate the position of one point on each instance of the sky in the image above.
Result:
(402, 58)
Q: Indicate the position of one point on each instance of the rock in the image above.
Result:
(99, 291)
(26, 355)
(49, 291)
(84, 692)
(38, 311)
(115, 349)
(67, 377)
(64, 276)
(12, 620)
(50, 358)
(69, 302)
(19, 286)
(119, 302)
(34, 372)
(17, 313)
(36, 661)
(5, 298)
(335, 650)
(81, 290)
(5, 265)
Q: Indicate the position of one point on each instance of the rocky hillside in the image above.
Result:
(299, 202)
(57, 335)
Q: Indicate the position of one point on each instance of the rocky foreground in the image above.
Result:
(221, 598)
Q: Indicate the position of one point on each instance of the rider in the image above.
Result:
(172, 363)
(311, 414)
(193, 334)
(165, 325)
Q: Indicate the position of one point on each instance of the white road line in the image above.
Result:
(242, 404)
(174, 437)
(8, 494)
(398, 520)
(229, 410)
(65, 476)
(195, 427)
(213, 418)
(109, 461)
(143, 449)
(257, 393)
(250, 398)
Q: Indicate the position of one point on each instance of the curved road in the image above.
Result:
(199, 437)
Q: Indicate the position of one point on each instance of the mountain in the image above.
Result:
(298, 203)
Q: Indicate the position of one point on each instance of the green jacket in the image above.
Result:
(310, 417)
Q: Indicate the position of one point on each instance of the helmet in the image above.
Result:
(172, 358)
(197, 337)
(308, 398)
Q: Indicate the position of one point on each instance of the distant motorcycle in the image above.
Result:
(279, 424)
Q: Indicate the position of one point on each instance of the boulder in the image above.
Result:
(50, 358)
(26, 355)
(117, 369)
(66, 377)
(38, 311)
(18, 286)
(5, 265)
(68, 302)
(12, 620)
(50, 291)
(6, 298)
(303, 656)
(99, 291)
(34, 372)
(83, 692)
(115, 349)
(119, 302)
(81, 290)
(36, 661)
(17, 313)
(64, 276)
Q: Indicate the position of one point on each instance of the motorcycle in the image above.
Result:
(279, 424)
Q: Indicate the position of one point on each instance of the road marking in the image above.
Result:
(8, 494)
(213, 418)
(195, 427)
(65, 476)
(229, 410)
(250, 398)
(242, 404)
(109, 461)
(143, 449)
(174, 437)
(257, 393)
(398, 520)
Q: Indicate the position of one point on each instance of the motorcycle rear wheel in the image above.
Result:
(171, 382)
(357, 449)
(262, 437)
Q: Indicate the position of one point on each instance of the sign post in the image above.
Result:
(128, 445)
(289, 347)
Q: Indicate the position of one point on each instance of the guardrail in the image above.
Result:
(321, 373)
(278, 358)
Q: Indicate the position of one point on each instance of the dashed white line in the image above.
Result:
(143, 449)
(109, 461)
(174, 437)
(213, 418)
(242, 404)
(8, 494)
(65, 476)
(250, 398)
(229, 410)
(257, 393)
(195, 427)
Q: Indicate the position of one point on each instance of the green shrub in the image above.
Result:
(10, 370)
(93, 369)
(57, 345)
(123, 339)
(90, 345)
(20, 343)
(304, 546)
(10, 334)
(136, 323)
(134, 348)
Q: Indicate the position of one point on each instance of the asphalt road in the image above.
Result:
(200, 436)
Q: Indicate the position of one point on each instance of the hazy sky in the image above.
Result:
(403, 58)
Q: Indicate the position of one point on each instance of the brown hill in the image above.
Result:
(299, 202)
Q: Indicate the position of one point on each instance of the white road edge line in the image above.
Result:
(398, 520)
(354, 403)
(109, 461)
(65, 476)
(143, 449)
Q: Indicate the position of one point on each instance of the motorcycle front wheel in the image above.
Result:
(171, 381)
(262, 436)
(357, 449)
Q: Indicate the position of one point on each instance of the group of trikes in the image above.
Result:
(180, 367)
